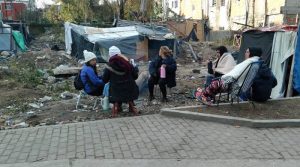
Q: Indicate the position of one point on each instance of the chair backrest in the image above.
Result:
(251, 73)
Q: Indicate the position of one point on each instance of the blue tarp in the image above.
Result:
(296, 79)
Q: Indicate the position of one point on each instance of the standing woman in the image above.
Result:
(93, 84)
(121, 75)
(166, 63)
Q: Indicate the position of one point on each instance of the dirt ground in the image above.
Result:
(283, 109)
(30, 95)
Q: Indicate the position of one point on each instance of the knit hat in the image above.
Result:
(88, 56)
(113, 51)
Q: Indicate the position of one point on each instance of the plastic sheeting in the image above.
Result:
(133, 41)
(296, 79)
(264, 40)
(98, 40)
(6, 38)
(79, 44)
(283, 48)
(127, 46)
(152, 31)
(68, 38)
(19, 38)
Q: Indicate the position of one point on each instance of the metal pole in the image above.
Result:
(175, 46)
(247, 11)
(5, 9)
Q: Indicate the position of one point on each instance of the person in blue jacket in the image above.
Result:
(165, 60)
(93, 84)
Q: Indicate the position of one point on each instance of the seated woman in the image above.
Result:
(121, 76)
(222, 65)
(164, 60)
(93, 84)
(252, 54)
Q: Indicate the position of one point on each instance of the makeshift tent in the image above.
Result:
(255, 38)
(155, 36)
(21, 27)
(133, 41)
(296, 78)
(6, 40)
(277, 44)
(282, 49)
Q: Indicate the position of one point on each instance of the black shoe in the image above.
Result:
(164, 100)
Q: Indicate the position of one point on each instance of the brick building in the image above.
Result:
(12, 10)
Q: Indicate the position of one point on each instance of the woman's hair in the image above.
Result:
(164, 50)
(255, 51)
(222, 50)
(94, 67)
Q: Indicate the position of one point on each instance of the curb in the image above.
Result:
(236, 121)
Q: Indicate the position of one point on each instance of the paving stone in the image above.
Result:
(148, 137)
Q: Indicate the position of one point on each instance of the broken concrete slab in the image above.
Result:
(5, 53)
(66, 70)
(45, 99)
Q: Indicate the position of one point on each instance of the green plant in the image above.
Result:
(26, 73)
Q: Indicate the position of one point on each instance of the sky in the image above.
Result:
(42, 3)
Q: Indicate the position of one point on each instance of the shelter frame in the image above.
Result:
(10, 36)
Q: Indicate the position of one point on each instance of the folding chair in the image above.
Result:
(235, 90)
(83, 93)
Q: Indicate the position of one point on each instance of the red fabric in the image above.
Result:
(215, 87)
(120, 63)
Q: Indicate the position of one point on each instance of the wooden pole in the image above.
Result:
(253, 17)
(266, 13)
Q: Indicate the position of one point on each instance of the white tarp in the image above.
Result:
(283, 47)
(68, 38)
(111, 33)
(94, 34)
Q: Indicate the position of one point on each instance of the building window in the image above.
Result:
(213, 3)
(221, 28)
(8, 7)
(193, 7)
(222, 2)
(172, 4)
(176, 3)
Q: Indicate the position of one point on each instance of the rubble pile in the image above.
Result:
(51, 39)
(36, 87)
(196, 51)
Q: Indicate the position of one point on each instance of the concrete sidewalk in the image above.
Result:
(147, 137)
(159, 163)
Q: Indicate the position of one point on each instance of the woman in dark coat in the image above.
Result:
(123, 89)
(166, 61)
